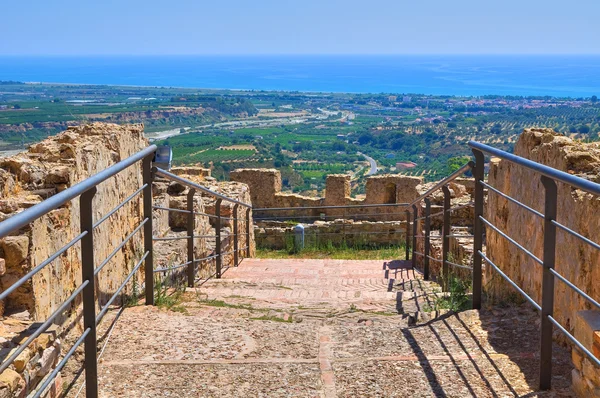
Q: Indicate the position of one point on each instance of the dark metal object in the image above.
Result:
(478, 228)
(235, 236)
(427, 240)
(190, 242)
(333, 207)
(414, 240)
(407, 237)
(248, 226)
(89, 302)
(445, 238)
(148, 177)
(219, 261)
(548, 283)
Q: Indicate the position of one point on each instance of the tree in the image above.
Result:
(594, 98)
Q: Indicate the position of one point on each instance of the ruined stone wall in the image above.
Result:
(577, 210)
(54, 165)
(265, 190)
(575, 260)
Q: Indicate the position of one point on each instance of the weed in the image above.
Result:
(272, 318)
(457, 299)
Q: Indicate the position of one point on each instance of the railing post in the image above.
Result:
(478, 228)
(407, 237)
(445, 237)
(414, 245)
(427, 241)
(191, 224)
(148, 242)
(89, 301)
(548, 283)
(248, 225)
(219, 259)
(235, 235)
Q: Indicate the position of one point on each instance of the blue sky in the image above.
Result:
(83, 27)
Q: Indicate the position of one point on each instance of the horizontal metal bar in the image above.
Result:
(42, 388)
(572, 286)
(7, 362)
(440, 213)
(341, 233)
(114, 296)
(511, 240)
(339, 216)
(434, 259)
(418, 253)
(191, 184)
(26, 216)
(445, 181)
(206, 214)
(505, 196)
(205, 236)
(583, 238)
(206, 258)
(39, 267)
(123, 203)
(333, 207)
(555, 174)
(460, 236)
(154, 238)
(171, 209)
(172, 268)
(450, 210)
(459, 265)
(430, 237)
(587, 352)
(116, 250)
(513, 284)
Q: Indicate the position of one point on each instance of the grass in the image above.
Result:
(342, 251)
(273, 318)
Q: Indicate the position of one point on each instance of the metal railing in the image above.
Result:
(446, 234)
(85, 192)
(190, 236)
(549, 178)
(344, 232)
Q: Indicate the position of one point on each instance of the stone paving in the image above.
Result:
(323, 328)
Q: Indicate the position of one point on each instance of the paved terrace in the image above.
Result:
(323, 328)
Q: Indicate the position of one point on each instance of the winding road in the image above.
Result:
(372, 162)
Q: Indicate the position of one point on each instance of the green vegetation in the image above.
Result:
(343, 251)
(305, 135)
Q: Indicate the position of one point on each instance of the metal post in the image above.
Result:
(89, 302)
(446, 238)
(478, 228)
(219, 259)
(248, 225)
(427, 241)
(147, 176)
(235, 235)
(548, 283)
(407, 237)
(414, 245)
(190, 231)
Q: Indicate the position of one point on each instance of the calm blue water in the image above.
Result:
(573, 76)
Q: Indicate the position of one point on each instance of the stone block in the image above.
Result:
(591, 372)
(15, 249)
(596, 346)
(587, 323)
(11, 379)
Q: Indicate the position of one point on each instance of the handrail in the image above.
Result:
(332, 207)
(445, 181)
(191, 184)
(26, 216)
(547, 171)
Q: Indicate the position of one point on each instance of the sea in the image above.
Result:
(459, 75)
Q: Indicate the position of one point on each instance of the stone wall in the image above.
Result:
(265, 190)
(579, 211)
(52, 166)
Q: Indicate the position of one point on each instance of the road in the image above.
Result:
(372, 162)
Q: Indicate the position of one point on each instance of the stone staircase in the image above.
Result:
(323, 328)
